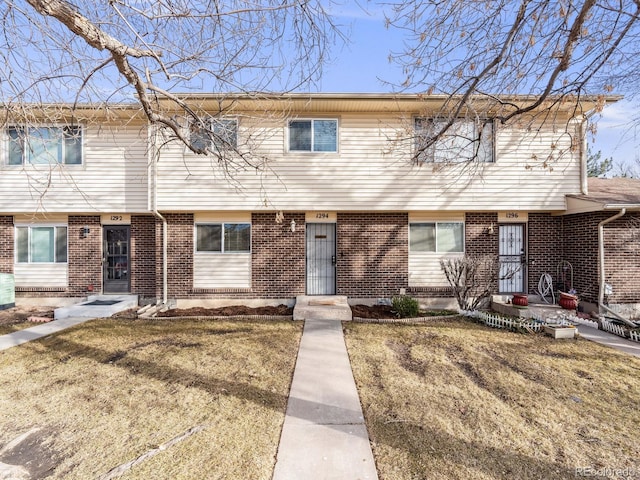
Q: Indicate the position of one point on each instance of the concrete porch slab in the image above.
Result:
(322, 307)
(98, 306)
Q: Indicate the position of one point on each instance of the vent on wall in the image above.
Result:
(7, 291)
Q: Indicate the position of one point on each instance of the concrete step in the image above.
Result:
(322, 307)
(98, 306)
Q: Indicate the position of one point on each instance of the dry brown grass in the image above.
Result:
(108, 391)
(457, 400)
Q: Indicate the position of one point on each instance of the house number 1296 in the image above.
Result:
(322, 215)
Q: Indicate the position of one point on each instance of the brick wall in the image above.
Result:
(479, 242)
(278, 256)
(143, 256)
(373, 251)
(85, 255)
(545, 247)
(180, 255)
(622, 257)
(6, 244)
(580, 249)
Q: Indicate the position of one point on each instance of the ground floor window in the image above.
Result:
(223, 237)
(41, 244)
(439, 237)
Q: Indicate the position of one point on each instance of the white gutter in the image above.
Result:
(601, 304)
(152, 199)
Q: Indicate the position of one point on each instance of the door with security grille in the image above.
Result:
(321, 258)
(116, 261)
(512, 257)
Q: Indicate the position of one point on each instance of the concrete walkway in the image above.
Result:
(324, 435)
(23, 336)
(609, 339)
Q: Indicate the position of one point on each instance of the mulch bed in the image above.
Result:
(230, 311)
(373, 311)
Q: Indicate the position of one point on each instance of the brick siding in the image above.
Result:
(479, 242)
(373, 254)
(278, 256)
(85, 255)
(179, 253)
(6, 244)
(545, 247)
(143, 256)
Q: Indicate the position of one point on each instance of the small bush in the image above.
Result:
(405, 306)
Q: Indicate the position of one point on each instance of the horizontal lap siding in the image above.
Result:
(43, 275)
(113, 177)
(222, 270)
(372, 172)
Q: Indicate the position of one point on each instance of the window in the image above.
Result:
(313, 135)
(45, 145)
(223, 237)
(440, 237)
(464, 141)
(39, 244)
(215, 134)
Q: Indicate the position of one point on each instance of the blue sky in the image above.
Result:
(363, 65)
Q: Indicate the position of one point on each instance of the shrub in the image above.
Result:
(405, 306)
(472, 279)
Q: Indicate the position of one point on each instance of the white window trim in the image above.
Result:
(437, 252)
(475, 160)
(36, 225)
(211, 120)
(4, 161)
(223, 251)
(311, 152)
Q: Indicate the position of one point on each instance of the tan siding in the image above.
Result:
(424, 267)
(371, 172)
(222, 270)
(40, 274)
(113, 177)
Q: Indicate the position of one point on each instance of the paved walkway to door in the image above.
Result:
(324, 435)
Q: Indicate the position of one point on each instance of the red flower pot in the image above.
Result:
(568, 301)
(520, 300)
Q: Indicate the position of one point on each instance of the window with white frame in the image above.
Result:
(464, 141)
(439, 237)
(41, 244)
(223, 237)
(215, 134)
(45, 145)
(313, 135)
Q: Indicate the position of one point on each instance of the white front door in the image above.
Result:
(512, 258)
(321, 258)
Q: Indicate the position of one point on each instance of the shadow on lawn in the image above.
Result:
(435, 447)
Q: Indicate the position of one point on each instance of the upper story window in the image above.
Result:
(223, 237)
(45, 145)
(215, 134)
(440, 237)
(319, 135)
(41, 244)
(464, 141)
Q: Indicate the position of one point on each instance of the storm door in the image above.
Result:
(321, 258)
(512, 258)
(116, 259)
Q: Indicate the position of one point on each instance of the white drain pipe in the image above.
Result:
(152, 187)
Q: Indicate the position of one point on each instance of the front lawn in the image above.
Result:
(452, 399)
(110, 391)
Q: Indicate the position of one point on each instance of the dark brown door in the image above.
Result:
(116, 259)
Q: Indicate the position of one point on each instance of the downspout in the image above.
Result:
(584, 185)
(601, 304)
(152, 187)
